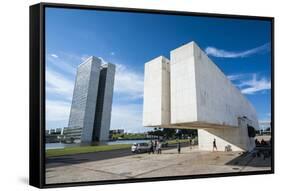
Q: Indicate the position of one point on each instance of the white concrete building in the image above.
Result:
(201, 97)
(156, 107)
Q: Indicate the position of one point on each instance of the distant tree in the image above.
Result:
(189, 132)
(158, 132)
(169, 133)
(267, 129)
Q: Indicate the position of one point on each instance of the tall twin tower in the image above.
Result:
(91, 106)
(190, 91)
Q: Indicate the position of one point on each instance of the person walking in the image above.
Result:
(215, 145)
(179, 148)
(151, 150)
(159, 149)
(155, 147)
(190, 143)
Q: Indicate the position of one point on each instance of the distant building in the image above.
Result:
(72, 134)
(58, 131)
(265, 127)
(53, 135)
(117, 131)
(51, 131)
(92, 101)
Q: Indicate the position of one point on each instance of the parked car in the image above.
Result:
(140, 147)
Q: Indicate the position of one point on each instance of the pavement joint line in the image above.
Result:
(113, 173)
(97, 170)
(154, 170)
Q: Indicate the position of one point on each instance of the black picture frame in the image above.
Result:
(37, 93)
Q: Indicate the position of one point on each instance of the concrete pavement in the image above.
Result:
(169, 163)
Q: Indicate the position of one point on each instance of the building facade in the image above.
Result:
(92, 100)
(201, 97)
(157, 92)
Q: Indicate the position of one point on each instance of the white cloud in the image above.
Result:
(255, 85)
(250, 83)
(128, 117)
(58, 84)
(230, 54)
(62, 63)
(234, 77)
(57, 110)
(128, 82)
(54, 55)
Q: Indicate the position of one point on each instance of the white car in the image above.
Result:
(140, 147)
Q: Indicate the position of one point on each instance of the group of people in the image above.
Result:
(261, 143)
(155, 147)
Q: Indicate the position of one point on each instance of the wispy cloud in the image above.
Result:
(57, 110)
(128, 82)
(54, 55)
(57, 114)
(236, 54)
(250, 83)
(62, 63)
(234, 77)
(128, 117)
(57, 84)
(255, 85)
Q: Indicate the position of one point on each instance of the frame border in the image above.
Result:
(37, 170)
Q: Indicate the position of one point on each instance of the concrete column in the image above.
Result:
(183, 85)
(156, 103)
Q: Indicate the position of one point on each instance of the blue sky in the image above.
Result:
(240, 48)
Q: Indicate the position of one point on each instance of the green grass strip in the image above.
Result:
(84, 149)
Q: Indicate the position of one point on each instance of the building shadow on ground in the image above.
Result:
(260, 157)
(90, 157)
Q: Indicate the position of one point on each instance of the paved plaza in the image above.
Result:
(169, 163)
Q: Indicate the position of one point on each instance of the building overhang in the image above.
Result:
(194, 125)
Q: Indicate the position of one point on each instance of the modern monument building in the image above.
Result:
(190, 91)
(90, 112)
